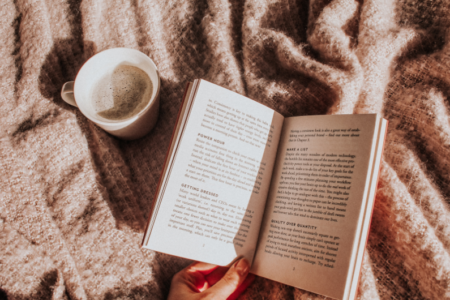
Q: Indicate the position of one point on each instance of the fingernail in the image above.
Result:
(242, 266)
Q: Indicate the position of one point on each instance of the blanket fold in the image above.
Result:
(74, 200)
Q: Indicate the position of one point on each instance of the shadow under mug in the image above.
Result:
(79, 92)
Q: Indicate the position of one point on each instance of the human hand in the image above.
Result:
(202, 281)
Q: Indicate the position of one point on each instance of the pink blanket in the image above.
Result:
(74, 200)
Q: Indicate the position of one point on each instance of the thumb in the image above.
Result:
(231, 280)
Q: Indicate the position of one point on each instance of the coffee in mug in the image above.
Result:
(122, 94)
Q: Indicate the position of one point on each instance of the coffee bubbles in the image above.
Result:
(122, 94)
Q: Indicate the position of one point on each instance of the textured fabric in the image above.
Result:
(74, 200)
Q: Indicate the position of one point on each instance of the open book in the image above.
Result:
(292, 195)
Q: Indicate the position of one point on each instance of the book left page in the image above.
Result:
(213, 194)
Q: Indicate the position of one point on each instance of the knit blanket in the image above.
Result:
(74, 200)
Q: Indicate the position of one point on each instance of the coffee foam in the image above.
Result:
(122, 94)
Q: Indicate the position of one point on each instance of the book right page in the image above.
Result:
(317, 201)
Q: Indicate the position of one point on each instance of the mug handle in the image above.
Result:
(67, 93)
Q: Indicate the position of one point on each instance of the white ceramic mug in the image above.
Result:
(79, 92)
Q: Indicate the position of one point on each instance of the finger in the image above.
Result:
(216, 275)
(193, 276)
(201, 267)
(232, 279)
(189, 281)
(247, 281)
